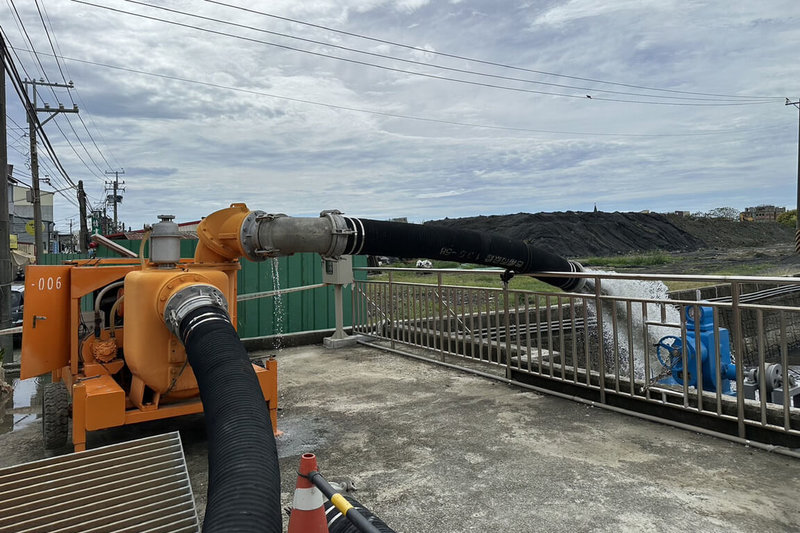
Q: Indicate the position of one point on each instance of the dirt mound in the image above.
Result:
(582, 234)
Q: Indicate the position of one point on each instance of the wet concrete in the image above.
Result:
(435, 450)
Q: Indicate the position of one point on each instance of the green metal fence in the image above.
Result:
(290, 313)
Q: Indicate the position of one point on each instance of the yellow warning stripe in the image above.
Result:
(341, 503)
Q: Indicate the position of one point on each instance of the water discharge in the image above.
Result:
(631, 331)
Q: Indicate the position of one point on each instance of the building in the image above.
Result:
(762, 213)
(20, 216)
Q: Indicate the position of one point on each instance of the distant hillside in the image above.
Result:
(582, 234)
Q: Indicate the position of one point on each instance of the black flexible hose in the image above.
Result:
(377, 237)
(243, 473)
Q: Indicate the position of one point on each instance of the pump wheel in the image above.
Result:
(670, 343)
(55, 415)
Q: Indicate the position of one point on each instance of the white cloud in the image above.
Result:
(190, 148)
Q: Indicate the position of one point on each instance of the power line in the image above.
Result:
(481, 61)
(396, 115)
(77, 93)
(22, 35)
(17, 83)
(424, 64)
(47, 33)
(43, 72)
(24, 31)
(421, 74)
(64, 78)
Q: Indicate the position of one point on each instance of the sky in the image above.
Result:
(412, 108)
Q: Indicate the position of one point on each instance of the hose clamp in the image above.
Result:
(575, 284)
(187, 300)
(340, 232)
(203, 318)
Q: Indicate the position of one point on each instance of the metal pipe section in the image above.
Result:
(333, 235)
(360, 518)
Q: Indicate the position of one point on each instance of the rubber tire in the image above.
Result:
(55, 415)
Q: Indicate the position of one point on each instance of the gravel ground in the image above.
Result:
(435, 450)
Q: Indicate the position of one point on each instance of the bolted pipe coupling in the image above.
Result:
(188, 299)
(274, 235)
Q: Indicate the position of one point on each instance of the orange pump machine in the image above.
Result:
(127, 363)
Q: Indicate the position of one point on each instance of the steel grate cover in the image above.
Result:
(136, 486)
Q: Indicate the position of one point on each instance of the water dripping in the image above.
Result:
(279, 307)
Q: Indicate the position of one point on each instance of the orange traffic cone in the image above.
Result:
(308, 513)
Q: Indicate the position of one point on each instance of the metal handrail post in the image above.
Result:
(390, 304)
(508, 329)
(598, 294)
(440, 305)
(738, 346)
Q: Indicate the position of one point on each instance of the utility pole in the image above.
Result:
(115, 187)
(33, 121)
(83, 235)
(6, 276)
(797, 224)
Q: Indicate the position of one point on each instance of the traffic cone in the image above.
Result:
(308, 513)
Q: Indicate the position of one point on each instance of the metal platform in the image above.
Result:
(140, 485)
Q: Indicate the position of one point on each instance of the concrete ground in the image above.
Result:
(435, 450)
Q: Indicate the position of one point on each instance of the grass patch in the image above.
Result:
(628, 261)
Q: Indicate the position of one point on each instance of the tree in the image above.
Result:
(730, 213)
(788, 218)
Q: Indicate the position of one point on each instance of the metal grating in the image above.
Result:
(136, 486)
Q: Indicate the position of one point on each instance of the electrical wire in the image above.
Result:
(47, 33)
(593, 90)
(17, 84)
(14, 74)
(421, 74)
(396, 115)
(481, 61)
(43, 74)
(64, 80)
(27, 36)
(56, 53)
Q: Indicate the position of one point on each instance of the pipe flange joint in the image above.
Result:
(189, 299)
(248, 235)
(263, 249)
(339, 233)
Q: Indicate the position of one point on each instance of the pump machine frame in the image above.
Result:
(113, 375)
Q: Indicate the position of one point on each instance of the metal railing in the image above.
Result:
(601, 347)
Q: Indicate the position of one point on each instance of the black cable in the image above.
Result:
(47, 33)
(64, 79)
(19, 29)
(69, 92)
(420, 63)
(395, 115)
(30, 41)
(402, 71)
(17, 83)
(44, 75)
(481, 61)
(91, 171)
